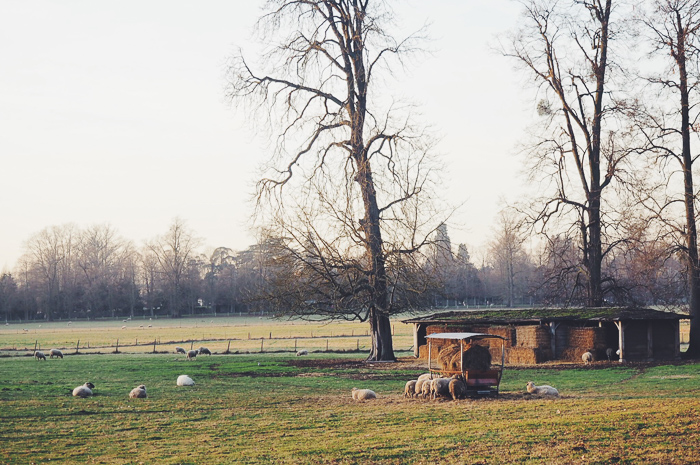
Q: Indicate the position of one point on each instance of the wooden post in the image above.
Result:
(650, 340)
(35, 344)
(415, 340)
(228, 348)
(154, 346)
(270, 334)
(262, 342)
(621, 340)
(358, 345)
(117, 349)
(77, 346)
(326, 345)
(295, 345)
(553, 342)
(677, 341)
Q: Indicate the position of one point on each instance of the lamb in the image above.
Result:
(84, 391)
(440, 387)
(55, 352)
(458, 388)
(410, 389)
(184, 380)
(543, 390)
(302, 352)
(39, 355)
(204, 350)
(192, 354)
(587, 357)
(138, 392)
(363, 394)
(180, 350)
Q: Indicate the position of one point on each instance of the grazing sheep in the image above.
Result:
(204, 350)
(425, 389)
(410, 389)
(587, 357)
(458, 388)
(184, 380)
(302, 352)
(84, 391)
(609, 353)
(39, 355)
(192, 354)
(138, 392)
(363, 394)
(55, 352)
(543, 390)
(180, 350)
(440, 387)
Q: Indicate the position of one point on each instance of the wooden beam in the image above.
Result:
(621, 339)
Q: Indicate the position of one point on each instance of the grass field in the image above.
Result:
(278, 408)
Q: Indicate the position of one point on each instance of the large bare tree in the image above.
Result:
(352, 169)
(565, 47)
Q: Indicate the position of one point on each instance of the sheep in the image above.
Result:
(84, 391)
(55, 352)
(180, 350)
(458, 388)
(543, 390)
(39, 355)
(138, 392)
(184, 380)
(192, 354)
(410, 389)
(363, 394)
(609, 351)
(425, 389)
(440, 387)
(204, 350)
(587, 357)
(302, 352)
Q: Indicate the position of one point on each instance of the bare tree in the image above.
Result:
(670, 128)
(507, 255)
(565, 47)
(348, 164)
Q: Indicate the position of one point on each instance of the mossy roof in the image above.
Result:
(529, 315)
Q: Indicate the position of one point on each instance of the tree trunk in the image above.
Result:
(382, 344)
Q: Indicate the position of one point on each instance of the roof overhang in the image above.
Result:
(461, 336)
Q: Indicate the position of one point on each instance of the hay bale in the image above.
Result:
(527, 355)
(475, 357)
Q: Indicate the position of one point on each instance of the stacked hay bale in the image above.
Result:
(580, 340)
(474, 357)
(533, 346)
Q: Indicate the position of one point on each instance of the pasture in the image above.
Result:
(262, 408)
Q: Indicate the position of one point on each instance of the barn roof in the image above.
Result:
(538, 315)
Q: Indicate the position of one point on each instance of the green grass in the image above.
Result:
(263, 409)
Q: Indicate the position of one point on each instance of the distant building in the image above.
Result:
(545, 334)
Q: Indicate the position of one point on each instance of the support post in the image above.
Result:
(650, 341)
(677, 332)
(553, 325)
(621, 339)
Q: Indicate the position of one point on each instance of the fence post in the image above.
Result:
(295, 345)
(262, 342)
(228, 351)
(117, 351)
(326, 345)
(154, 346)
(77, 346)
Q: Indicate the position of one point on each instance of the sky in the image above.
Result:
(114, 112)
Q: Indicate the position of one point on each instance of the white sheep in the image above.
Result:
(425, 389)
(39, 355)
(440, 387)
(543, 390)
(204, 350)
(363, 394)
(184, 380)
(587, 357)
(302, 352)
(84, 391)
(192, 354)
(458, 388)
(180, 350)
(138, 392)
(55, 353)
(410, 389)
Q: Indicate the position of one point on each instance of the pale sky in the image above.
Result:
(114, 112)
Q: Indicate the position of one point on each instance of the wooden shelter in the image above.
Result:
(538, 335)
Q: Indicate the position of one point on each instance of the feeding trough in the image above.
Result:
(483, 376)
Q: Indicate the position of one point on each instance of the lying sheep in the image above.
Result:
(440, 387)
(55, 352)
(84, 391)
(543, 390)
(458, 388)
(410, 389)
(138, 392)
(204, 350)
(363, 394)
(180, 350)
(184, 380)
(192, 354)
(302, 352)
(39, 355)
(587, 357)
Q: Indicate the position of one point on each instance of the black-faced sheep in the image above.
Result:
(302, 352)
(192, 354)
(204, 350)
(184, 380)
(39, 355)
(180, 350)
(363, 394)
(587, 357)
(458, 388)
(55, 353)
(410, 388)
(138, 392)
(543, 390)
(84, 391)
